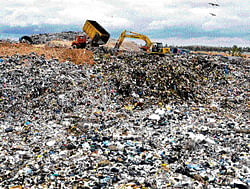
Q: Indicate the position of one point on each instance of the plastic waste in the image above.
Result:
(129, 120)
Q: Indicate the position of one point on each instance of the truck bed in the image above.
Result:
(96, 32)
(98, 27)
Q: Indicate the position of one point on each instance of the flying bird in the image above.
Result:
(214, 4)
(212, 14)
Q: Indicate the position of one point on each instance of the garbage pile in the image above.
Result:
(46, 37)
(129, 120)
(10, 41)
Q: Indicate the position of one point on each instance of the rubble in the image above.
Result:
(47, 37)
(128, 120)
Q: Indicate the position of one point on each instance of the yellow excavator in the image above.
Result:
(149, 47)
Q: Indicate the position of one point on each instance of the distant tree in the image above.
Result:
(239, 51)
(234, 50)
(224, 50)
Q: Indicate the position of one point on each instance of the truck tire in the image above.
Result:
(26, 39)
(88, 46)
(74, 46)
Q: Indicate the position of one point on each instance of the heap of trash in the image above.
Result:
(44, 38)
(130, 120)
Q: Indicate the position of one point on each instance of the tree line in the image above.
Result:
(234, 50)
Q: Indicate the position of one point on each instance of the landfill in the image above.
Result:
(130, 120)
(44, 38)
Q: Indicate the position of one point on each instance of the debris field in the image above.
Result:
(122, 120)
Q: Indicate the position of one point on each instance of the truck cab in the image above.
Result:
(80, 42)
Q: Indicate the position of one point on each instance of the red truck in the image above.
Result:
(80, 42)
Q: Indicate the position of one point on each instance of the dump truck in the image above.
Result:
(80, 42)
(97, 34)
(149, 47)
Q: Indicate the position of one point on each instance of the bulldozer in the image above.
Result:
(149, 47)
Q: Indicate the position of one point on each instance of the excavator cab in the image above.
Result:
(157, 47)
(154, 48)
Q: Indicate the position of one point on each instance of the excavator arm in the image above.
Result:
(134, 36)
(150, 47)
(120, 40)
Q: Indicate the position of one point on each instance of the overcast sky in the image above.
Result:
(177, 22)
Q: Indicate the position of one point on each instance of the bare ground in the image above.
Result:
(78, 56)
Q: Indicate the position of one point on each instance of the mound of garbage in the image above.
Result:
(128, 120)
(47, 37)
